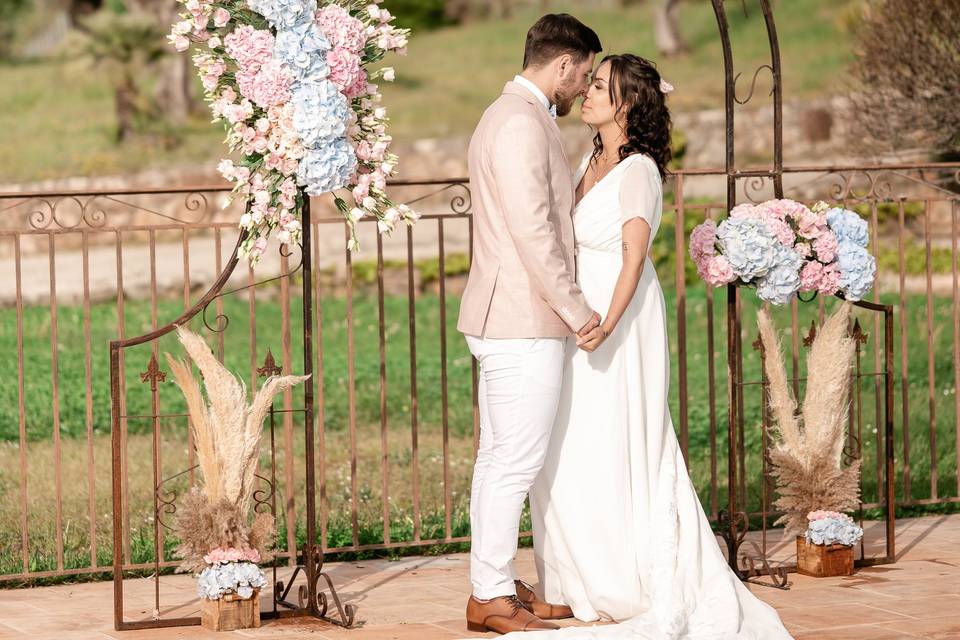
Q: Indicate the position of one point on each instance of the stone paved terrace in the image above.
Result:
(422, 598)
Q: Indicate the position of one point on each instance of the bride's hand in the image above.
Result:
(592, 341)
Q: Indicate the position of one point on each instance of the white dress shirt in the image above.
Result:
(535, 90)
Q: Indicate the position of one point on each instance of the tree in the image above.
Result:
(907, 75)
(173, 94)
(125, 44)
(10, 10)
(666, 27)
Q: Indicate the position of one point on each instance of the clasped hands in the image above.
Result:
(592, 334)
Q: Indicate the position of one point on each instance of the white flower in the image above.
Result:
(369, 203)
(353, 244)
(389, 74)
(357, 214)
(380, 113)
(374, 11)
(183, 27)
(384, 227)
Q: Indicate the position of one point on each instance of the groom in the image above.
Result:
(520, 303)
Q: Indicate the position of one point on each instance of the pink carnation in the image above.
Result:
(810, 276)
(825, 246)
(231, 554)
(745, 210)
(784, 208)
(823, 515)
(271, 86)
(250, 47)
(717, 271)
(703, 241)
(812, 225)
(342, 29)
(346, 72)
(781, 230)
(829, 280)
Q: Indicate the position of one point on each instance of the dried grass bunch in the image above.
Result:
(807, 450)
(226, 434)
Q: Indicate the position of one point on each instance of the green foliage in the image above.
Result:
(10, 12)
(889, 212)
(915, 259)
(419, 15)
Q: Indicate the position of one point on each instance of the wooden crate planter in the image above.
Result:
(230, 612)
(823, 561)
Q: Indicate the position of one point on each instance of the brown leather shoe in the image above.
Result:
(538, 607)
(503, 615)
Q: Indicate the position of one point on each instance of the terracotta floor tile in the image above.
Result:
(837, 615)
(860, 632)
(936, 629)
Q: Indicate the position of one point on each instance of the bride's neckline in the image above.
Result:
(584, 166)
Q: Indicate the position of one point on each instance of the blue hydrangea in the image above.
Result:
(303, 48)
(833, 531)
(320, 112)
(327, 168)
(848, 226)
(284, 14)
(749, 247)
(857, 270)
(231, 577)
(783, 280)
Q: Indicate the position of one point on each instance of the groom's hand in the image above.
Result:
(586, 329)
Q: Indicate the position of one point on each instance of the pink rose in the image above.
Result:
(221, 17)
(290, 166)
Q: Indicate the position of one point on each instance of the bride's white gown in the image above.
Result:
(619, 533)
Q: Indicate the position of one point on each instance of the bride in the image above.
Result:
(619, 533)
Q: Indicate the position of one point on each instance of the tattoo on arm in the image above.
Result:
(626, 246)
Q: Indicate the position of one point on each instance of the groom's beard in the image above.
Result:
(564, 103)
(564, 97)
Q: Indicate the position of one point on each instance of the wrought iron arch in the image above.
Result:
(311, 600)
(733, 521)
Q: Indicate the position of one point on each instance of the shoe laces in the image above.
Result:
(515, 603)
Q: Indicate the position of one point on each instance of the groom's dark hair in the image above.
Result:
(556, 34)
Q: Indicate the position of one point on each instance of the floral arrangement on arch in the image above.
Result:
(782, 247)
(290, 80)
(219, 540)
(832, 527)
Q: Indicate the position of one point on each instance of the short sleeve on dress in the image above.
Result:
(640, 190)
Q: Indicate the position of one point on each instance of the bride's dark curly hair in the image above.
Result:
(635, 90)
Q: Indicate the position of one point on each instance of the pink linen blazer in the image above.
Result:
(522, 281)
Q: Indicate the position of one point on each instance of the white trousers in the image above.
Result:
(519, 390)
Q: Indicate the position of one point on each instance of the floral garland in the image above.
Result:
(288, 79)
(782, 247)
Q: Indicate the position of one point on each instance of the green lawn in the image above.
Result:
(74, 450)
(57, 115)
